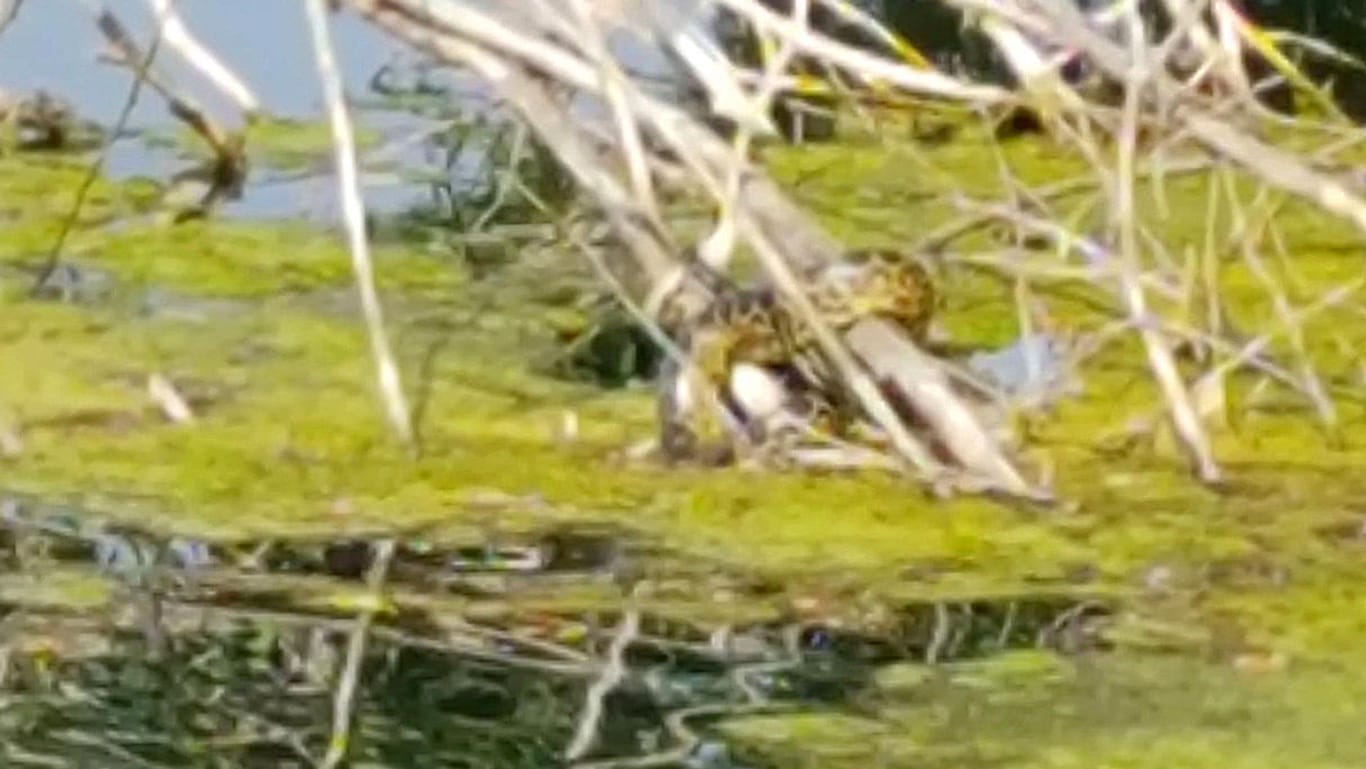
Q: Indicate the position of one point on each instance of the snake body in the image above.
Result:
(756, 329)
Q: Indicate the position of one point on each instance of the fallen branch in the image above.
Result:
(779, 233)
(919, 380)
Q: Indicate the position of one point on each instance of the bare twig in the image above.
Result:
(920, 380)
(869, 65)
(1184, 418)
(179, 38)
(344, 702)
(1293, 321)
(983, 215)
(53, 261)
(124, 51)
(1278, 168)
(353, 213)
(1247, 226)
(586, 733)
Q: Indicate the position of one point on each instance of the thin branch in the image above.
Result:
(1247, 226)
(353, 213)
(54, 257)
(586, 733)
(123, 50)
(343, 706)
(179, 38)
(869, 65)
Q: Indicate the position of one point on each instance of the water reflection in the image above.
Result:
(204, 654)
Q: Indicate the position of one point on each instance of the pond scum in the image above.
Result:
(1236, 617)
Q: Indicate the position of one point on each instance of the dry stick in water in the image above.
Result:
(353, 213)
(1248, 227)
(343, 705)
(586, 734)
(1184, 419)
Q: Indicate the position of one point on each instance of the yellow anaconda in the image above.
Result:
(757, 326)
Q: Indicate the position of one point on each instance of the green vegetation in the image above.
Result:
(255, 324)
(280, 144)
(1129, 712)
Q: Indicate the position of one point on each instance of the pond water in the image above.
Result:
(267, 43)
(227, 654)
(124, 649)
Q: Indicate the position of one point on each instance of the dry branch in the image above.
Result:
(179, 38)
(353, 214)
(1184, 419)
(1181, 88)
(778, 232)
(229, 167)
(344, 702)
(586, 734)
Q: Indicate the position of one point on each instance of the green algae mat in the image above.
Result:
(1244, 616)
